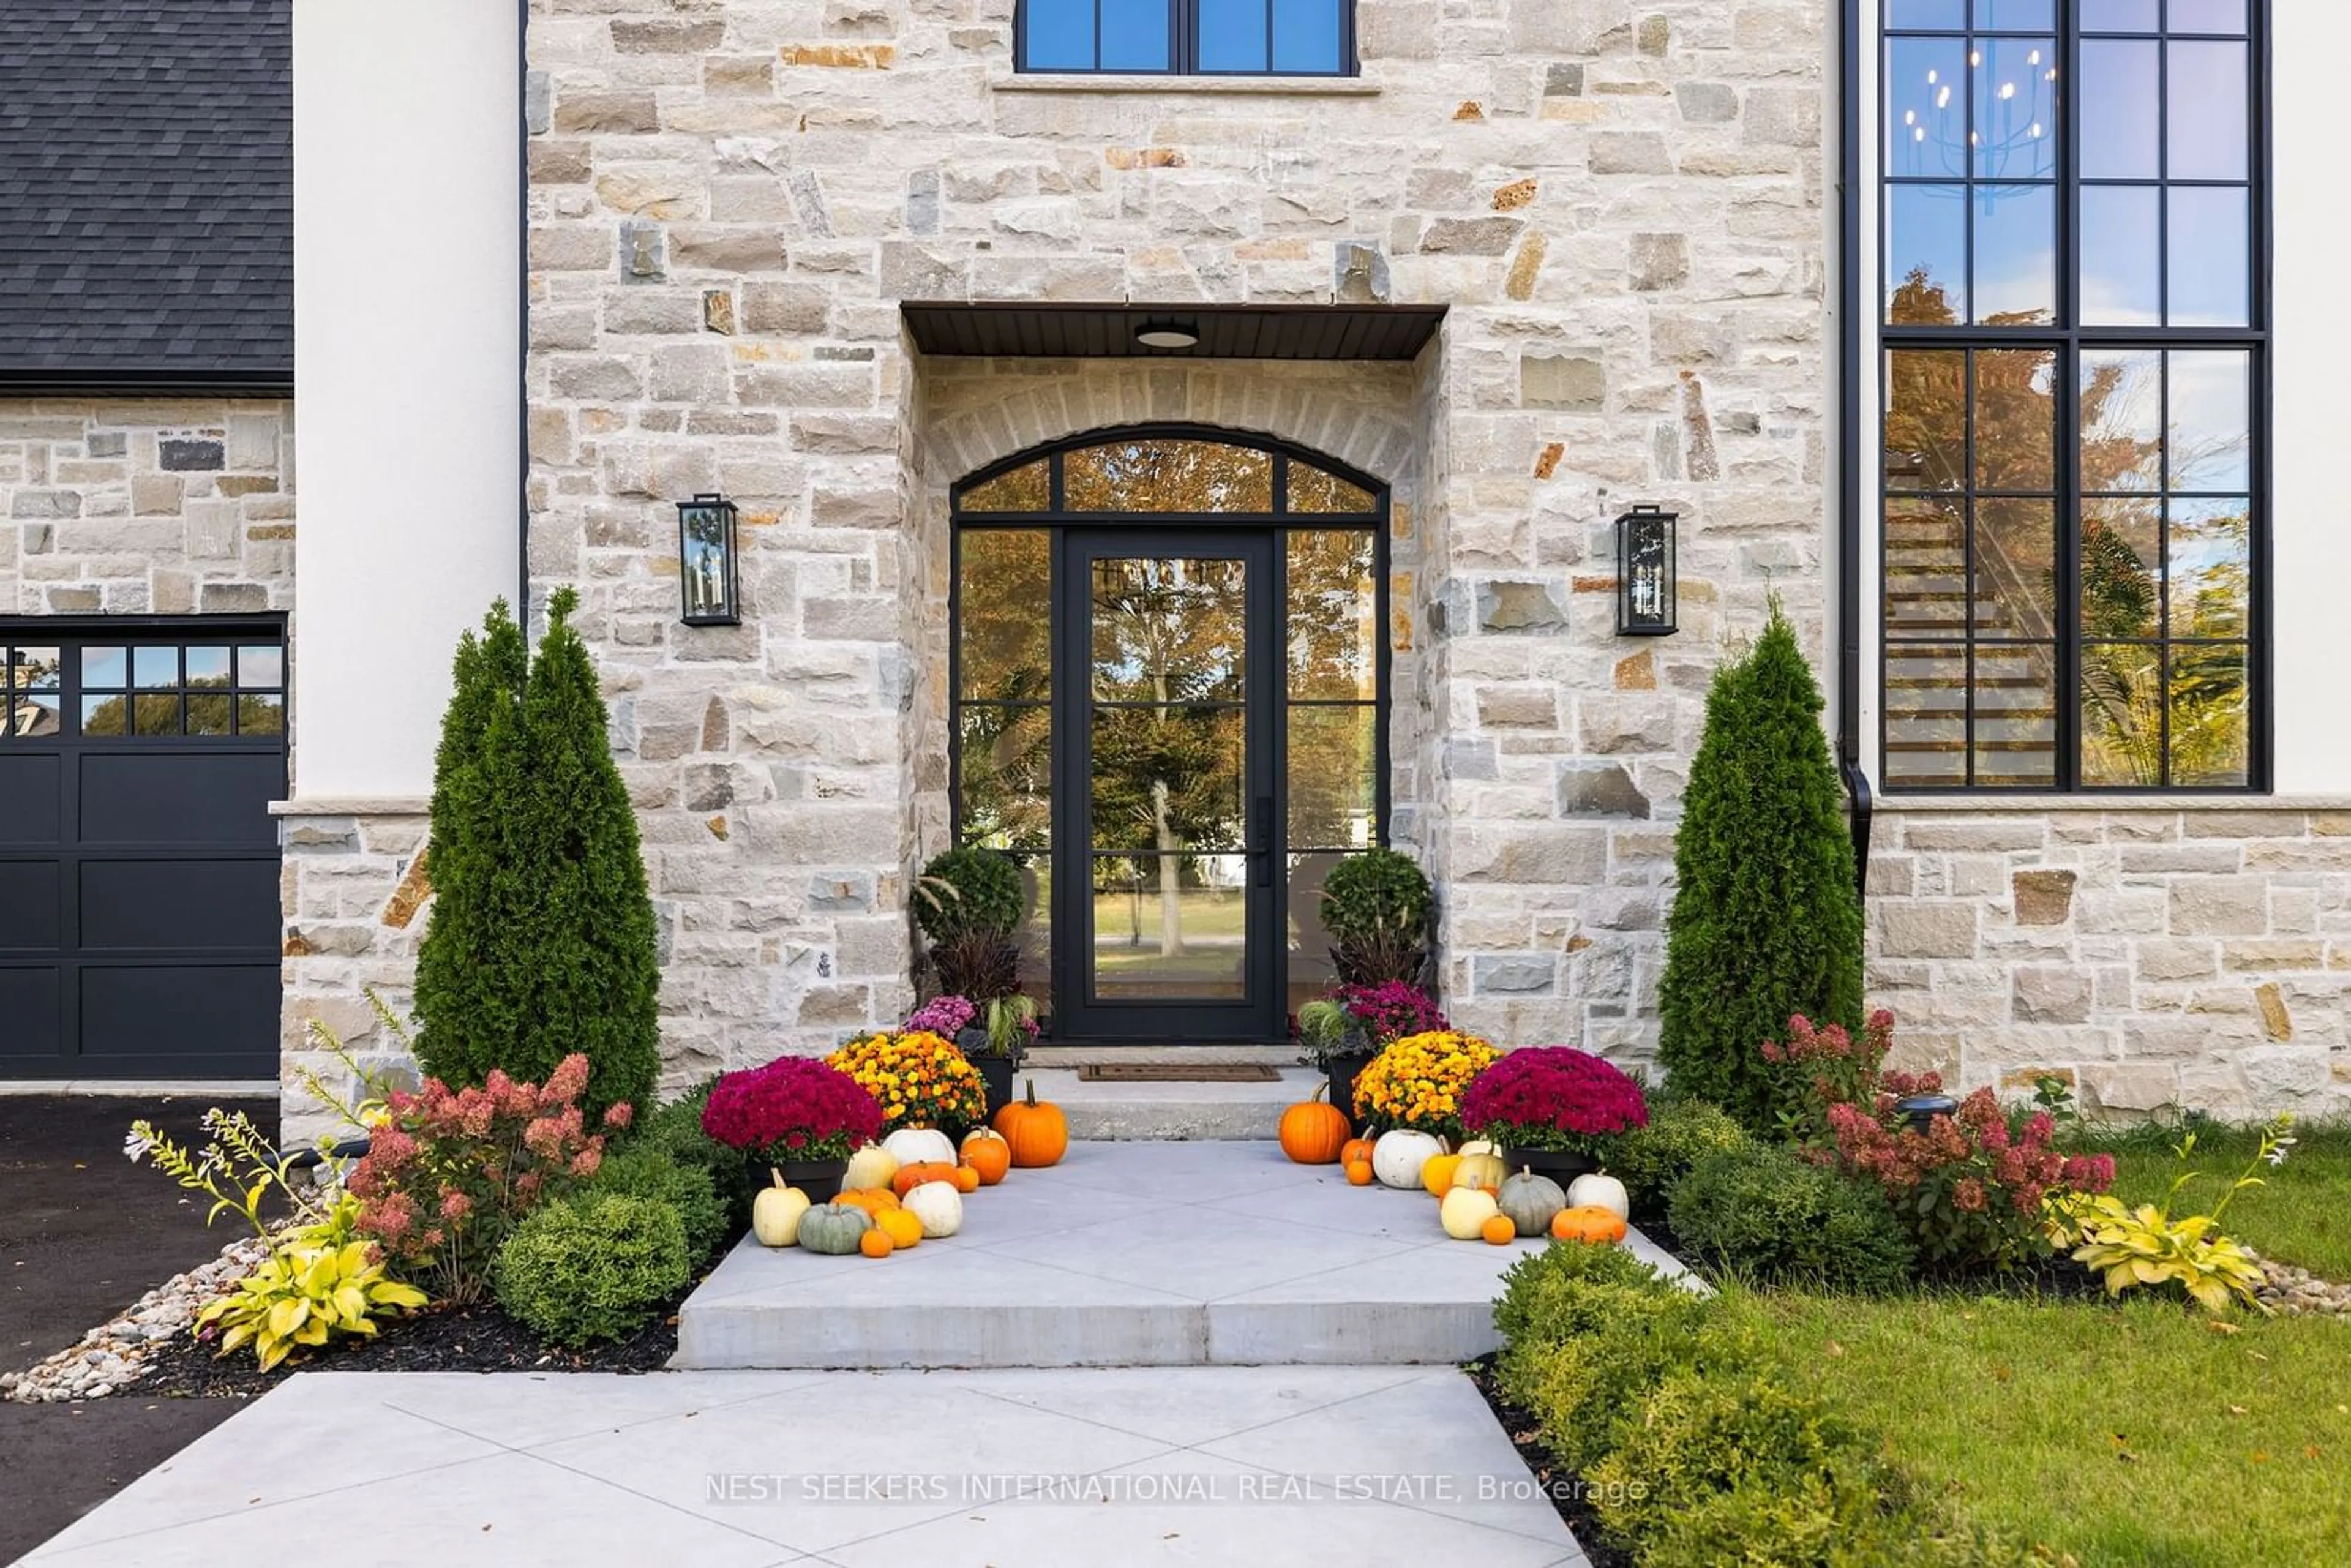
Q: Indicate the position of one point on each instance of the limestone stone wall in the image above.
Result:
(2161, 956)
(355, 885)
(146, 507)
(1622, 206)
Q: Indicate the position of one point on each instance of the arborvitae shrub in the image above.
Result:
(542, 939)
(1766, 919)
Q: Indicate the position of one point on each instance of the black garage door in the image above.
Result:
(138, 912)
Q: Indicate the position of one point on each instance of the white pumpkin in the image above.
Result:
(1482, 1146)
(871, 1169)
(937, 1204)
(1398, 1156)
(1465, 1211)
(776, 1212)
(1599, 1190)
(920, 1145)
(1480, 1170)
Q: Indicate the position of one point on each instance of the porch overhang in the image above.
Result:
(1016, 329)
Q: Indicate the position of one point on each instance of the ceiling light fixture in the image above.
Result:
(1166, 335)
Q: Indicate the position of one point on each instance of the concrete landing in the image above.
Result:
(753, 1469)
(1141, 1254)
(1170, 1110)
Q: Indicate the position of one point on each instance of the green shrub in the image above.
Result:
(1702, 1435)
(647, 1172)
(1650, 1160)
(1767, 1214)
(1766, 919)
(675, 1127)
(542, 940)
(591, 1266)
(969, 890)
(1379, 911)
(1545, 1294)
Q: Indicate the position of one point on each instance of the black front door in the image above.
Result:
(1166, 886)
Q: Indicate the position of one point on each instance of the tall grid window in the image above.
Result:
(2073, 360)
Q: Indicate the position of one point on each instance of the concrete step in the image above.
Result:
(1167, 1254)
(1108, 1111)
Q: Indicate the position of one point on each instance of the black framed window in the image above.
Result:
(2074, 372)
(1187, 37)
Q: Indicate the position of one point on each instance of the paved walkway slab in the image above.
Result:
(1128, 1254)
(1019, 1470)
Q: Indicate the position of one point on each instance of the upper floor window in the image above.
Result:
(2072, 489)
(1188, 37)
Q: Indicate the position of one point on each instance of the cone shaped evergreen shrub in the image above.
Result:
(1766, 921)
(542, 939)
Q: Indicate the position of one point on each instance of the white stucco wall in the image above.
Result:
(2310, 509)
(406, 303)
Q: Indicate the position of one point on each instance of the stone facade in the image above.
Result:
(2160, 958)
(1621, 209)
(355, 883)
(161, 506)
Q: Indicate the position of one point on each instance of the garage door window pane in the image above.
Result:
(258, 714)
(103, 715)
(157, 667)
(208, 713)
(103, 668)
(260, 667)
(208, 666)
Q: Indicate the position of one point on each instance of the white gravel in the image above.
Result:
(112, 1357)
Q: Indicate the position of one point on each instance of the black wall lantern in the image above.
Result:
(1645, 573)
(706, 561)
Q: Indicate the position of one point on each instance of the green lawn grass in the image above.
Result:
(2304, 1214)
(2137, 1434)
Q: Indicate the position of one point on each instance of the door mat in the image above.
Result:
(1170, 1072)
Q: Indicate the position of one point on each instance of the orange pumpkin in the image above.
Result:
(903, 1229)
(985, 1151)
(1036, 1130)
(911, 1176)
(966, 1179)
(1499, 1231)
(1355, 1149)
(1313, 1131)
(1588, 1223)
(876, 1243)
(872, 1201)
(1359, 1173)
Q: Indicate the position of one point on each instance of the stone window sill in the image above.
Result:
(353, 806)
(1260, 87)
(1996, 805)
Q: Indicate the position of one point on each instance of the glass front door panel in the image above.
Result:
(1168, 734)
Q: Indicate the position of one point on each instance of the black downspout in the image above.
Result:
(522, 321)
(1849, 349)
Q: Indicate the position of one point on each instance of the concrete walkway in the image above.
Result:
(1129, 1254)
(1012, 1469)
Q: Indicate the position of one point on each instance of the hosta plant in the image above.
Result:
(320, 1282)
(2146, 1246)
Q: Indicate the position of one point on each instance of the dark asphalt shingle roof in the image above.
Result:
(147, 186)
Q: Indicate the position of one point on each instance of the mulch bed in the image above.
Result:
(1562, 1485)
(450, 1339)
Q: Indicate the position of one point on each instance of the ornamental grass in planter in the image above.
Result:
(801, 1116)
(1554, 1110)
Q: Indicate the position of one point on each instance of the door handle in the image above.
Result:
(1264, 847)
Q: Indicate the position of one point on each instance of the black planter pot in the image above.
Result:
(1562, 1167)
(996, 1071)
(1342, 1070)
(820, 1180)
